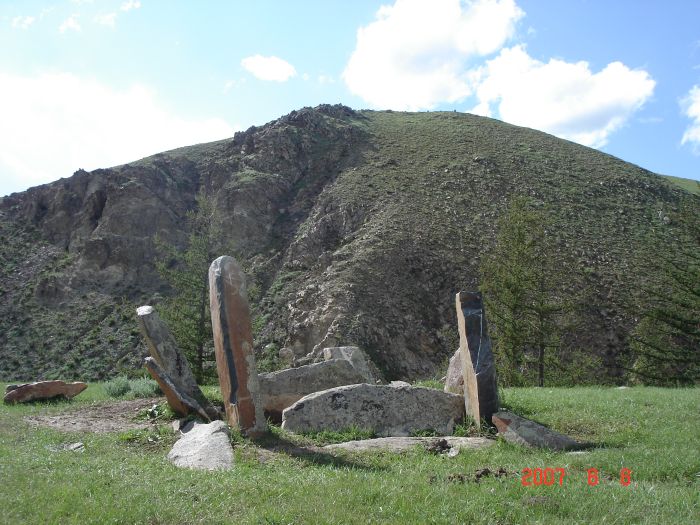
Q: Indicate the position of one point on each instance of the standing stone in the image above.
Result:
(478, 365)
(181, 403)
(233, 343)
(454, 380)
(172, 367)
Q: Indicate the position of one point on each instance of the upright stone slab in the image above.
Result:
(171, 361)
(181, 403)
(233, 343)
(478, 365)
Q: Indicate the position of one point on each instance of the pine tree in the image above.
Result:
(187, 311)
(666, 342)
(521, 285)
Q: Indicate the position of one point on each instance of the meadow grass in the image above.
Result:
(126, 478)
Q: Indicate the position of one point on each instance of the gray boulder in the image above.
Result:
(282, 389)
(357, 358)
(204, 447)
(385, 409)
(516, 429)
(454, 381)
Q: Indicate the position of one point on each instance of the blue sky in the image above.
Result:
(95, 83)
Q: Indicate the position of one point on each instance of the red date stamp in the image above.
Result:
(535, 477)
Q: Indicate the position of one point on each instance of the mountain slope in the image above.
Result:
(357, 228)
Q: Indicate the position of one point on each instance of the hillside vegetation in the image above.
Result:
(356, 227)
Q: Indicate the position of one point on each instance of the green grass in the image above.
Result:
(126, 478)
(692, 186)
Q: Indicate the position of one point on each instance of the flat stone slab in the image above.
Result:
(203, 447)
(401, 444)
(42, 390)
(284, 388)
(387, 410)
(516, 429)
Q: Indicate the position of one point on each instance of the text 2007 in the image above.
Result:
(534, 477)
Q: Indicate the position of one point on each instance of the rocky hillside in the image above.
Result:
(358, 228)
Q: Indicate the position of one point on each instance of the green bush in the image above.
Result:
(117, 387)
(123, 387)
(143, 387)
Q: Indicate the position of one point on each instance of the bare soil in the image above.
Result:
(103, 417)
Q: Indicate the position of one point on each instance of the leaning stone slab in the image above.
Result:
(516, 429)
(385, 409)
(454, 381)
(204, 447)
(166, 354)
(181, 403)
(478, 365)
(42, 390)
(357, 358)
(402, 444)
(282, 389)
(233, 344)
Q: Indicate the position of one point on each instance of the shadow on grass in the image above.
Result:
(312, 454)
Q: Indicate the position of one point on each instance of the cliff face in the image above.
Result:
(358, 228)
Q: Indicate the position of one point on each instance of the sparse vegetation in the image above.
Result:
(121, 386)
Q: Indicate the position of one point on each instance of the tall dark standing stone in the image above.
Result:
(478, 365)
(233, 343)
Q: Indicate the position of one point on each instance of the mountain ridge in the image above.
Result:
(357, 228)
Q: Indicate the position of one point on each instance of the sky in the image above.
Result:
(87, 84)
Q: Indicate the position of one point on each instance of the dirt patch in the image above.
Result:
(103, 417)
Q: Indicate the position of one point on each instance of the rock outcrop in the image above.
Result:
(42, 390)
(384, 409)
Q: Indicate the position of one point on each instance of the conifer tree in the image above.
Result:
(521, 285)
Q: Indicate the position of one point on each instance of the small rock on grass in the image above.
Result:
(516, 429)
(203, 446)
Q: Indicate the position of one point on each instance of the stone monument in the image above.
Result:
(233, 344)
(478, 365)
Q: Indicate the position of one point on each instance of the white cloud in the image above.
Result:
(130, 4)
(416, 53)
(691, 109)
(108, 19)
(55, 123)
(70, 24)
(269, 68)
(22, 22)
(562, 98)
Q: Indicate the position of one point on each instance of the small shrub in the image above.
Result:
(117, 387)
(143, 387)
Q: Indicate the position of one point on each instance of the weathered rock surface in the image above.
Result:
(516, 429)
(233, 343)
(282, 389)
(357, 358)
(181, 403)
(175, 374)
(401, 444)
(203, 446)
(385, 409)
(478, 364)
(42, 390)
(454, 381)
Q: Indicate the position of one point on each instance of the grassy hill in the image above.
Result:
(356, 227)
(124, 477)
